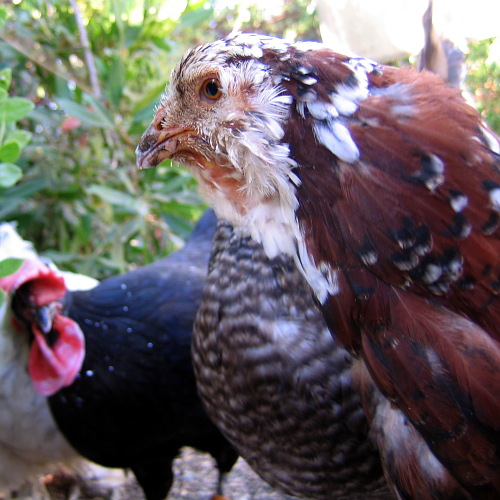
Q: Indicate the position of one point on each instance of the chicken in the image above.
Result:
(275, 382)
(383, 185)
(30, 442)
(133, 403)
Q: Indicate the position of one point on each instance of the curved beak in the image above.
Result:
(158, 144)
(30, 311)
(43, 316)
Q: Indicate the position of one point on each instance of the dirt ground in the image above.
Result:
(193, 469)
(196, 478)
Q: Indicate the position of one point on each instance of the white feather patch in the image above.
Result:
(307, 46)
(12, 245)
(459, 202)
(322, 110)
(490, 139)
(323, 280)
(495, 199)
(344, 105)
(336, 137)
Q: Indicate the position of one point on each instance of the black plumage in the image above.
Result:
(134, 402)
(275, 382)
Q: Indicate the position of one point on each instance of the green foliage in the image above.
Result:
(81, 200)
(294, 19)
(484, 80)
(8, 266)
(12, 140)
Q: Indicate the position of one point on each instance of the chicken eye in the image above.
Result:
(210, 90)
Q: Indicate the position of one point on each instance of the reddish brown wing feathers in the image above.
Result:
(402, 149)
(419, 198)
(409, 467)
(418, 212)
(443, 372)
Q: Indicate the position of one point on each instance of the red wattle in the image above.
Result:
(52, 368)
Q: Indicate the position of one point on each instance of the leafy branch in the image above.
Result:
(12, 139)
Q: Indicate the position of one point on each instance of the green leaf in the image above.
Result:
(88, 117)
(195, 4)
(20, 137)
(15, 108)
(195, 17)
(161, 43)
(2, 297)
(5, 78)
(132, 34)
(62, 90)
(13, 197)
(10, 152)
(9, 174)
(9, 266)
(58, 257)
(116, 197)
(100, 110)
(178, 224)
(3, 94)
(145, 108)
(116, 81)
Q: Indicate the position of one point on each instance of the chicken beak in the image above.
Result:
(29, 312)
(44, 317)
(158, 144)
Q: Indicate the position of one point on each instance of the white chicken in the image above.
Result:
(30, 442)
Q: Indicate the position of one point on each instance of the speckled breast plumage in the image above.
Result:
(275, 382)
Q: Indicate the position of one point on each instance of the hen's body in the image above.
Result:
(30, 441)
(383, 184)
(275, 382)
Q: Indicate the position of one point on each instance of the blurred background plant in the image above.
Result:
(484, 78)
(89, 75)
(12, 139)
